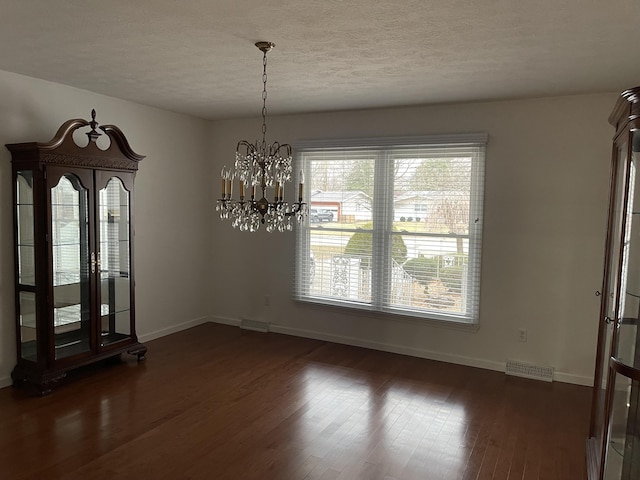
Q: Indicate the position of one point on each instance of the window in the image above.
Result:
(380, 251)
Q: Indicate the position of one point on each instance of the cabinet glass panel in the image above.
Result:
(115, 287)
(611, 301)
(627, 350)
(27, 314)
(71, 265)
(24, 219)
(623, 459)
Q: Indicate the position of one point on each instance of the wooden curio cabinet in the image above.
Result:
(73, 235)
(613, 449)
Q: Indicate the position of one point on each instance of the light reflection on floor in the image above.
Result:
(378, 421)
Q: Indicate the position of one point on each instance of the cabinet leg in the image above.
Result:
(140, 351)
(44, 390)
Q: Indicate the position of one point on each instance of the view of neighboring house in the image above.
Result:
(415, 206)
(346, 206)
(351, 206)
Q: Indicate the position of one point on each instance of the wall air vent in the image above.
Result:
(255, 325)
(528, 370)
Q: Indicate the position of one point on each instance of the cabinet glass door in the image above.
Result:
(115, 248)
(71, 267)
(626, 350)
(609, 301)
(623, 462)
(26, 266)
(623, 456)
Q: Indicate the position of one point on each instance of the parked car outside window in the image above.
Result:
(320, 215)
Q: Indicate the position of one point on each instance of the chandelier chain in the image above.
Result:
(264, 100)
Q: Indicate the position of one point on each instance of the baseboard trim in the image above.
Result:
(387, 347)
(403, 350)
(572, 378)
(5, 382)
(147, 337)
(234, 322)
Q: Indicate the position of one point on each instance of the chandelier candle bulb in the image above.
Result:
(300, 186)
(241, 185)
(223, 177)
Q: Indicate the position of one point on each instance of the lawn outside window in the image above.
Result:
(405, 233)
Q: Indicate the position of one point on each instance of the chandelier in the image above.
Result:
(260, 167)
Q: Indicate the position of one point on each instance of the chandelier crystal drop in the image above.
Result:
(261, 168)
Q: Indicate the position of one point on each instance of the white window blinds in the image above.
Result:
(395, 225)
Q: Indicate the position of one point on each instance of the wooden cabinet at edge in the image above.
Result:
(613, 449)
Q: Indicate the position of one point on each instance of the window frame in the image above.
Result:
(388, 149)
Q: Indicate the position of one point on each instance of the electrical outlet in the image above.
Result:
(267, 301)
(522, 335)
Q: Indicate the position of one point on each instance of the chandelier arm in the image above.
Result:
(250, 148)
(275, 148)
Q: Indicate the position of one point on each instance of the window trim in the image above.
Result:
(382, 215)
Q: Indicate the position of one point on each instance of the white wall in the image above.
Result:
(545, 206)
(173, 200)
(545, 216)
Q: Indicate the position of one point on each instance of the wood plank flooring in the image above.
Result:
(216, 402)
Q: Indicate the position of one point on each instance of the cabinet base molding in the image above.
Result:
(43, 381)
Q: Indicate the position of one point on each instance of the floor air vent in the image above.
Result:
(528, 370)
(255, 325)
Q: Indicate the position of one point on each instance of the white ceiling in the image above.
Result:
(198, 56)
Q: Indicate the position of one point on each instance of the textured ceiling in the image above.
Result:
(197, 56)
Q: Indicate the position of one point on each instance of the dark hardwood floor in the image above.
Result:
(216, 402)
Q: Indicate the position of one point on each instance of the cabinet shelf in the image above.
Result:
(111, 338)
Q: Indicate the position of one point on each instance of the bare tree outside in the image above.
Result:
(454, 213)
(327, 176)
